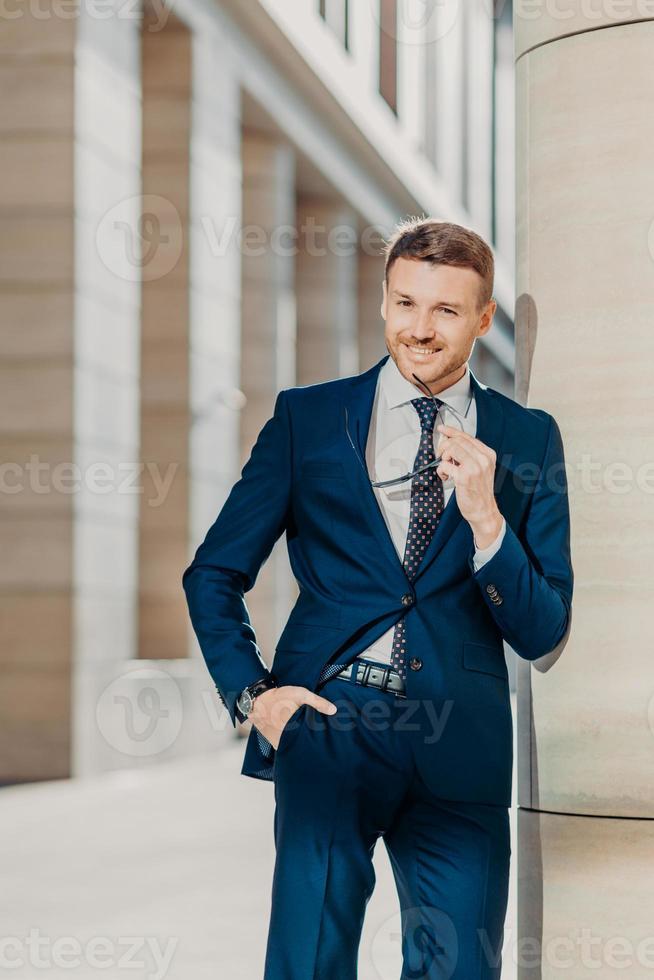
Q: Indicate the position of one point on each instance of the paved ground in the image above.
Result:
(148, 867)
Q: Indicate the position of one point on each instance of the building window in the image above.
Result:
(388, 52)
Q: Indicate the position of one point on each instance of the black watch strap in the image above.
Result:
(263, 684)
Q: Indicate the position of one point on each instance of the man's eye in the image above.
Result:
(405, 302)
(446, 310)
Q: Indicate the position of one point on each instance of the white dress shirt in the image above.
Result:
(393, 441)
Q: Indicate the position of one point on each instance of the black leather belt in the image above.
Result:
(373, 675)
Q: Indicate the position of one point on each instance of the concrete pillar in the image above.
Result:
(214, 291)
(326, 291)
(70, 304)
(585, 253)
(268, 338)
(163, 516)
(37, 307)
(106, 414)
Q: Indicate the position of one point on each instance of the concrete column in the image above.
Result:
(37, 307)
(585, 253)
(69, 300)
(163, 516)
(326, 291)
(106, 391)
(268, 338)
(215, 296)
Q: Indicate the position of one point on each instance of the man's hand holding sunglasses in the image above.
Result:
(471, 466)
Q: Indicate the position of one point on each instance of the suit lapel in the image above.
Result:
(358, 403)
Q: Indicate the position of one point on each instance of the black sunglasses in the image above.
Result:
(421, 469)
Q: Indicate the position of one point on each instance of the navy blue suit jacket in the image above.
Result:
(304, 478)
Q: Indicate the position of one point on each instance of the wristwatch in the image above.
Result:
(245, 700)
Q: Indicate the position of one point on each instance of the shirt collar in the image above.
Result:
(398, 391)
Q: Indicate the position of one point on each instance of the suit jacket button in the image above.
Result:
(498, 600)
(407, 599)
(490, 588)
(415, 663)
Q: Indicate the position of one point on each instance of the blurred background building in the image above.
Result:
(192, 202)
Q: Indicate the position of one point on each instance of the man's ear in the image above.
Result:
(487, 317)
(384, 300)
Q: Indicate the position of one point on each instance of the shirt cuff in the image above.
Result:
(482, 555)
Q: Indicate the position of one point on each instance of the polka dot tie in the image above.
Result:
(427, 502)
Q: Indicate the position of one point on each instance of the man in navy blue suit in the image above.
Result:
(427, 521)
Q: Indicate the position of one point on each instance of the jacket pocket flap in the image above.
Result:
(484, 657)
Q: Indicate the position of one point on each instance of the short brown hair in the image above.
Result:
(442, 243)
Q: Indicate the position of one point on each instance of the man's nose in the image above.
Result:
(423, 328)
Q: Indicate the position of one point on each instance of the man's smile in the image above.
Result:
(423, 352)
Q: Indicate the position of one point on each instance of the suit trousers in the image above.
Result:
(342, 781)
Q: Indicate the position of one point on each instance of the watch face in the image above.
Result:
(245, 703)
